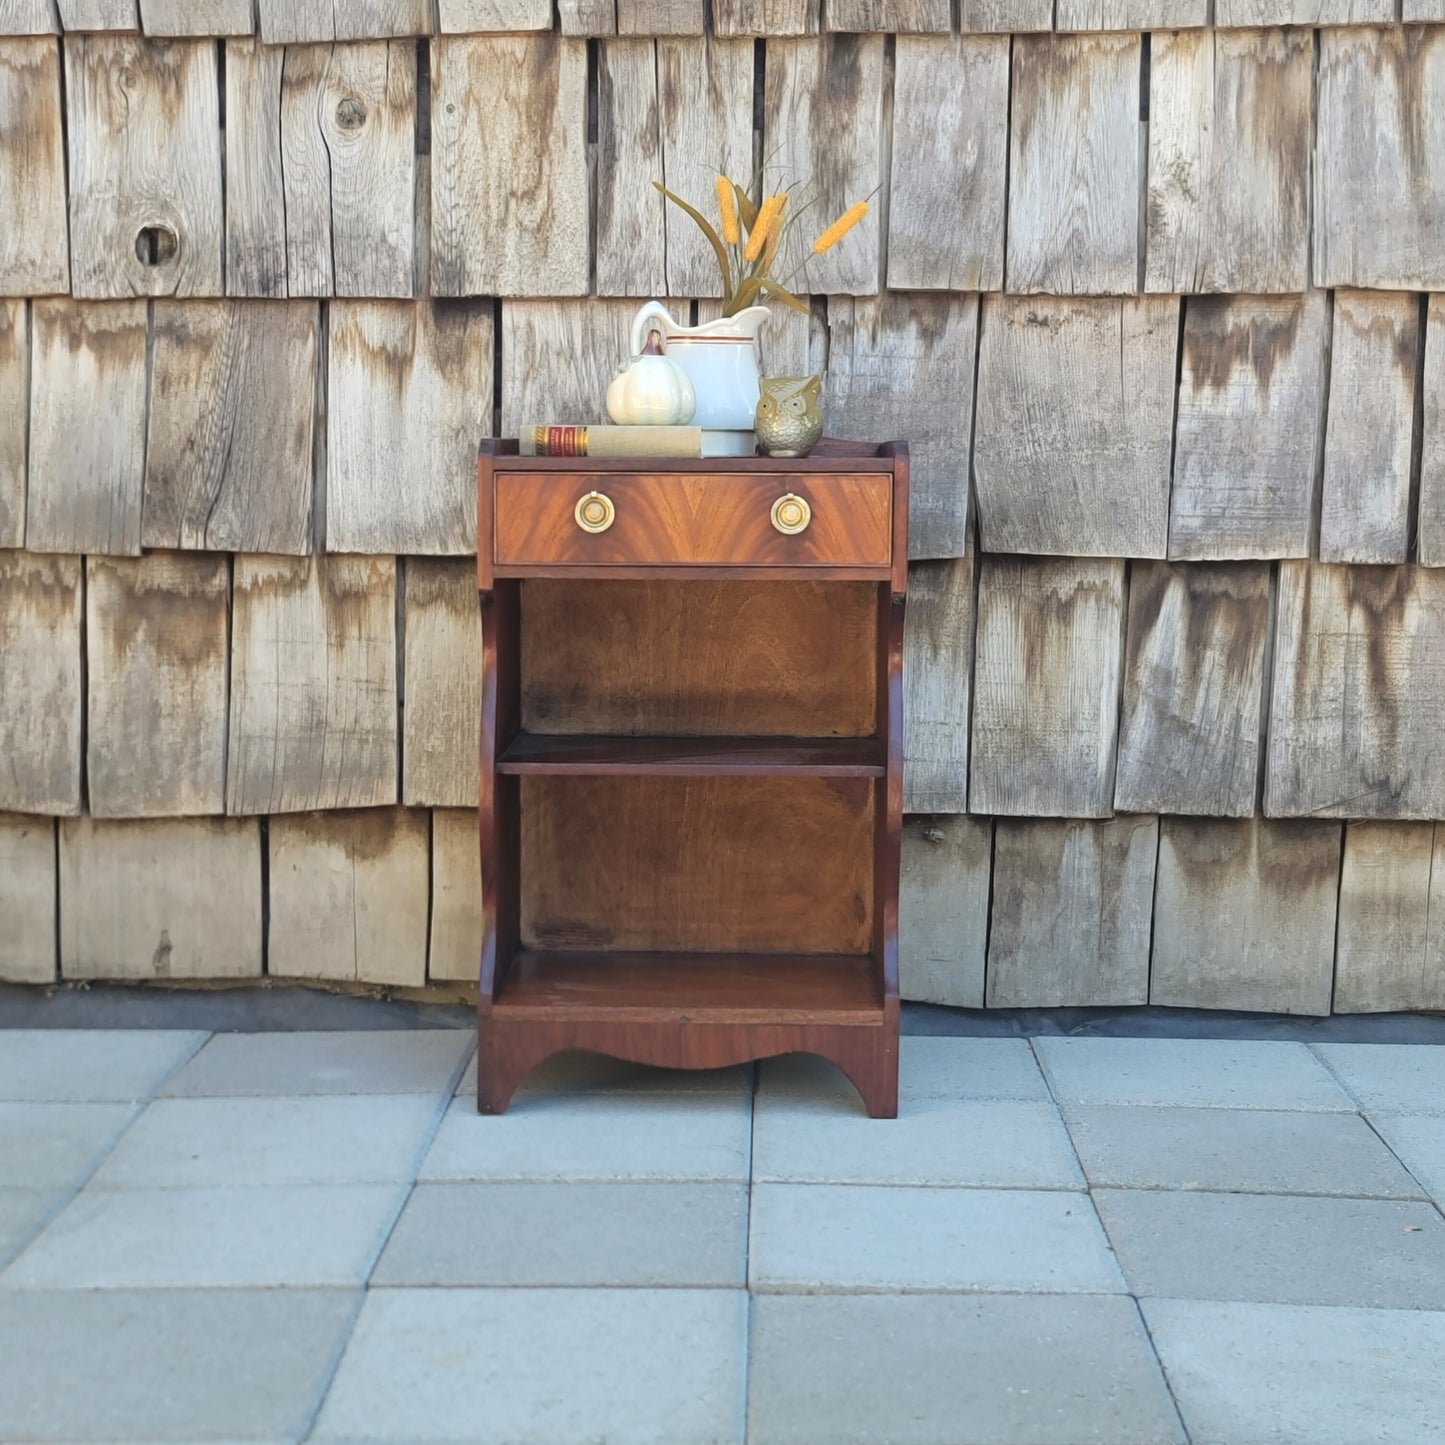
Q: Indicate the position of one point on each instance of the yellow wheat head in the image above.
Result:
(770, 219)
(727, 204)
(840, 228)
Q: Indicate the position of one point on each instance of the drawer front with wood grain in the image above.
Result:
(699, 519)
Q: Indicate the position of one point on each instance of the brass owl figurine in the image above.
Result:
(790, 415)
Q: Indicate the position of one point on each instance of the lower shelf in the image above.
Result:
(747, 988)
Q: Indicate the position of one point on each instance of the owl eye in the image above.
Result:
(797, 405)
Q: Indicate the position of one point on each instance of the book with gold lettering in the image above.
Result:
(548, 440)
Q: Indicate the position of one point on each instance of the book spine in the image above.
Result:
(610, 441)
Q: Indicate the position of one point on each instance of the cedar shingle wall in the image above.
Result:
(1152, 304)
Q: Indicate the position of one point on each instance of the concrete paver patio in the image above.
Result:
(313, 1237)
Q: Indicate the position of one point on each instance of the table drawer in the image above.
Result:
(658, 519)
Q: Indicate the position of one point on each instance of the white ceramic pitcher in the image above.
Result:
(720, 358)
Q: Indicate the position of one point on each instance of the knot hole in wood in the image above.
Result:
(155, 245)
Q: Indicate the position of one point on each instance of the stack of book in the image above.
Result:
(548, 440)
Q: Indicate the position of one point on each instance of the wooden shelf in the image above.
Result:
(693, 987)
(533, 754)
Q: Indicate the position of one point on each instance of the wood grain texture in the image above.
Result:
(558, 356)
(255, 177)
(631, 254)
(693, 864)
(87, 361)
(1075, 425)
(34, 241)
(1369, 429)
(947, 198)
(383, 19)
(509, 166)
(1249, 427)
(160, 899)
(455, 948)
(943, 909)
(937, 670)
(823, 123)
(1431, 501)
(1390, 949)
(410, 396)
(1359, 683)
(442, 685)
(27, 899)
(771, 18)
(1005, 15)
(682, 519)
(348, 140)
(14, 419)
(1156, 15)
(156, 673)
(293, 22)
(29, 17)
(585, 17)
(145, 167)
(1072, 903)
(99, 14)
(660, 17)
(705, 105)
(1229, 157)
(229, 441)
(699, 658)
(1244, 915)
(1194, 671)
(463, 17)
(40, 683)
(898, 17)
(349, 896)
(901, 365)
(1380, 153)
(1046, 687)
(313, 685)
(181, 18)
(1073, 217)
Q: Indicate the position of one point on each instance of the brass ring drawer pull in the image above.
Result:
(791, 514)
(595, 512)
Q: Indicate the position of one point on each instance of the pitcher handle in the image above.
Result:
(654, 316)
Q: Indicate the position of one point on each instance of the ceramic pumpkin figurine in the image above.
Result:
(651, 390)
(790, 415)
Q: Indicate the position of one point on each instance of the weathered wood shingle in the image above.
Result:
(443, 683)
(230, 433)
(313, 684)
(1369, 431)
(348, 139)
(29, 17)
(1250, 421)
(99, 14)
(1046, 687)
(950, 153)
(197, 17)
(464, 17)
(1359, 690)
(40, 683)
(349, 896)
(401, 472)
(34, 242)
(1072, 902)
(14, 422)
(509, 166)
(1194, 671)
(1229, 155)
(1379, 177)
(1073, 202)
(156, 643)
(88, 360)
(160, 899)
(455, 946)
(1391, 947)
(943, 909)
(823, 125)
(145, 166)
(1432, 441)
(937, 667)
(1075, 425)
(27, 899)
(1244, 914)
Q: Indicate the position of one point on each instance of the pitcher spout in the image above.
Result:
(749, 320)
